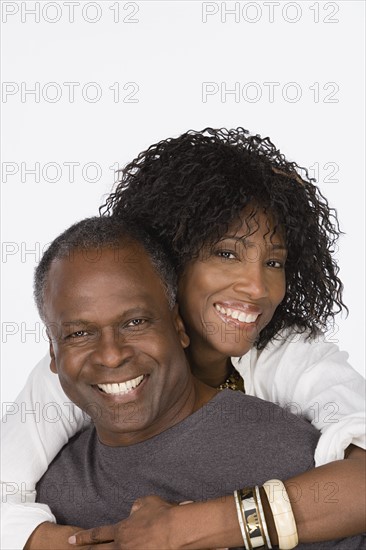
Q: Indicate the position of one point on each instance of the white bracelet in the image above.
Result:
(240, 519)
(262, 518)
(282, 514)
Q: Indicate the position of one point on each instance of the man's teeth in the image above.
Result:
(122, 387)
(237, 314)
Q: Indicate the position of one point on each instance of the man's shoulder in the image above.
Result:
(69, 466)
(230, 397)
(77, 449)
(275, 442)
(248, 411)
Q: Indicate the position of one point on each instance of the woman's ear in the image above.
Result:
(180, 328)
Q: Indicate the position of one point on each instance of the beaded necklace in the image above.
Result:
(233, 382)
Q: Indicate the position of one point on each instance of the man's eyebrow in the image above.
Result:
(75, 322)
(131, 312)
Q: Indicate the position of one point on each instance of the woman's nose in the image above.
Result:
(250, 280)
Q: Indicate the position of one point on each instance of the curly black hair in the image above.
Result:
(186, 191)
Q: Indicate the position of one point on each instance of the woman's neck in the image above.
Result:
(210, 368)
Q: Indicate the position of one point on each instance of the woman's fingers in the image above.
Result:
(92, 536)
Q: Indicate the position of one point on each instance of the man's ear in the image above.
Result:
(52, 354)
(53, 359)
(180, 328)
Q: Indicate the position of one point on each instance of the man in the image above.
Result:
(107, 296)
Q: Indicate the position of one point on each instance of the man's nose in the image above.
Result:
(112, 350)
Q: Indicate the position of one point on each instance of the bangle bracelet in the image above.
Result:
(251, 518)
(262, 518)
(241, 521)
(282, 514)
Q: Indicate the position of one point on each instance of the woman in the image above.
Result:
(204, 196)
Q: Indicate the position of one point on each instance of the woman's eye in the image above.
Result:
(275, 263)
(226, 254)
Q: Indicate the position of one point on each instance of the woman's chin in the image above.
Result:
(234, 349)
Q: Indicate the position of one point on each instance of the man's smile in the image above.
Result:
(121, 387)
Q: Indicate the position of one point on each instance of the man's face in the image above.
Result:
(115, 343)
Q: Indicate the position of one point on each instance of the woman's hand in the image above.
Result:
(50, 536)
(153, 525)
(149, 526)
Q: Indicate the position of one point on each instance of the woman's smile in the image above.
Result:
(238, 314)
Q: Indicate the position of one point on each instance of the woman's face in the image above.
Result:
(230, 292)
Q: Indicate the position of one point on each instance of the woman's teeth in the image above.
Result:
(122, 387)
(237, 314)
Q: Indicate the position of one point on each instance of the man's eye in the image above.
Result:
(78, 334)
(136, 323)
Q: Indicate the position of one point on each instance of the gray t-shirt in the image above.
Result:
(232, 442)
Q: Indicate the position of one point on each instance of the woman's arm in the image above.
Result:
(37, 425)
(49, 536)
(329, 502)
(324, 509)
(314, 380)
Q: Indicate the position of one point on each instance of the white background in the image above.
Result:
(168, 50)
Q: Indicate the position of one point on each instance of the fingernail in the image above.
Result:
(72, 539)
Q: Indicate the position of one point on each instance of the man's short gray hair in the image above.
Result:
(97, 233)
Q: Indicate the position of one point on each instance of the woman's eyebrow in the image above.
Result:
(276, 246)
